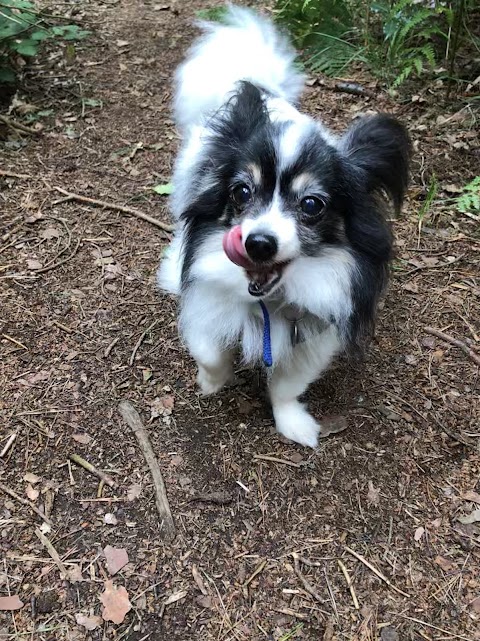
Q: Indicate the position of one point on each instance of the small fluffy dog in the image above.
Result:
(281, 245)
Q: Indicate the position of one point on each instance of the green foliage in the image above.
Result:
(469, 200)
(396, 39)
(164, 190)
(429, 198)
(213, 14)
(23, 28)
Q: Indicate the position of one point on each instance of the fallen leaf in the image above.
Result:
(470, 495)
(197, 577)
(45, 528)
(33, 263)
(122, 43)
(117, 558)
(110, 519)
(115, 602)
(10, 602)
(32, 493)
(410, 359)
(428, 342)
(31, 478)
(453, 189)
(82, 438)
(134, 491)
(373, 494)
(75, 573)
(89, 623)
(176, 596)
(473, 517)
(476, 605)
(164, 190)
(204, 601)
(296, 457)
(445, 564)
(49, 233)
(333, 425)
(177, 460)
(419, 532)
(162, 406)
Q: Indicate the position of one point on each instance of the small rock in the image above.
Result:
(389, 634)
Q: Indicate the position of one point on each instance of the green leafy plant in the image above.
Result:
(468, 202)
(396, 39)
(23, 28)
(164, 190)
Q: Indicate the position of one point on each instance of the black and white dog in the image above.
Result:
(282, 245)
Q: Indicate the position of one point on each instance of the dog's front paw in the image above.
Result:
(209, 382)
(296, 424)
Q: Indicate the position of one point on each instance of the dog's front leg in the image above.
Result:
(288, 381)
(215, 365)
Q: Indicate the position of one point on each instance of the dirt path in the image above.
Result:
(90, 330)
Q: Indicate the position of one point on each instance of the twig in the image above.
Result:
(107, 351)
(91, 468)
(456, 437)
(422, 267)
(8, 444)
(18, 125)
(53, 552)
(12, 174)
(454, 341)
(115, 207)
(353, 88)
(219, 498)
(332, 596)
(375, 571)
(349, 584)
(305, 583)
(15, 496)
(14, 340)
(256, 572)
(453, 635)
(274, 459)
(133, 420)
(60, 262)
(140, 341)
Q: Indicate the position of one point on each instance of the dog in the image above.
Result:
(282, 244)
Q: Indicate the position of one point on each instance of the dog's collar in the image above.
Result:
(294, 316)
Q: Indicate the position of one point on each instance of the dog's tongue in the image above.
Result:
(233, 247)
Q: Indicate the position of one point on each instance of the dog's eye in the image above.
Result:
(241, 195)
(312, 206)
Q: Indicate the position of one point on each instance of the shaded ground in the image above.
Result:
(91, 330)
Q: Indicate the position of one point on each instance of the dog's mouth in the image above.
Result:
(263, 277)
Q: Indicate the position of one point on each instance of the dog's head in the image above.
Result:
(281, 187)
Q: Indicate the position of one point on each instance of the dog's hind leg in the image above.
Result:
(288, 381)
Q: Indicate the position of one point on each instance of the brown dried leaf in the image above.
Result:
(476, 605)
(373, 494)
(32, 478)
(117, 558)
(32, 493)
(134, 491)
(176, 596)
(470, 495)
(82, 438)
(10, 602)
(162, 406)
(33, 263)
(446, 564)
(197, 577)
(333, 425)
(75, 573)
(116, 603)
(89, 623)
(419, 532)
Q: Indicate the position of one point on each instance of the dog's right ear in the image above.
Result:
(241, 116)
(378, 150)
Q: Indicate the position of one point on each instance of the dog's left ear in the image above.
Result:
(378, 150)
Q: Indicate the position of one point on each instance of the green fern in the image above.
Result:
(469, 200)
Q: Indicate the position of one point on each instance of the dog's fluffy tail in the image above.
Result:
(244, 47)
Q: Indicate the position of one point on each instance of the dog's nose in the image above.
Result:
(261, 247)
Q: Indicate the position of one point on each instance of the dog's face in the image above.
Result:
(284, 201)
(279, 188)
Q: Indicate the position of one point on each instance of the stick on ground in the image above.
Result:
(375, 571)
(91, 468)
(108, 205)
(454, 341)
(53, 553)
(349, 583)
(305, 583)
(33, 507)
(133, 420)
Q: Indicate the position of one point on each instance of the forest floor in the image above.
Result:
(265, 528)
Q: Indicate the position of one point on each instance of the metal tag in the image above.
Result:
(296, 336)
